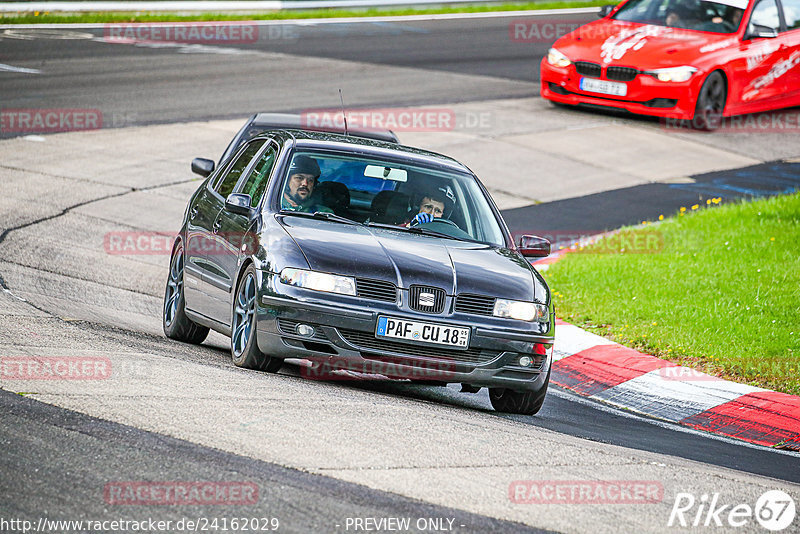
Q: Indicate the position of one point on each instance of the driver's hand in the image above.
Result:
(421, 218)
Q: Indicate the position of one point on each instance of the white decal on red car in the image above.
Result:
(759, 54)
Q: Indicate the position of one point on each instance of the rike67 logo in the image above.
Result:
(774, 510)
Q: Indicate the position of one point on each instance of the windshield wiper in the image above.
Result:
(326, 215)
(418, 230)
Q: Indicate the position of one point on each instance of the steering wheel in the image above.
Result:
(448, 221)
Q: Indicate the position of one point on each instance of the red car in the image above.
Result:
(681, 59)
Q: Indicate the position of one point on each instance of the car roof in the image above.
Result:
(369, 147)
(282, 121)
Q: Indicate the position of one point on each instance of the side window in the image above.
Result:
(257, 181)
(766, 14)
(225, 186)
(791, 12)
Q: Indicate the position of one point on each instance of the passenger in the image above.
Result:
(727, 24)
(303, 175)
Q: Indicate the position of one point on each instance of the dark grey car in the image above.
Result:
(347, 276)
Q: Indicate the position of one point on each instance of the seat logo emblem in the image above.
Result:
(427, 300)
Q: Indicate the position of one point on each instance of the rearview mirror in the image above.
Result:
(386, 173)
(238, 203)
(534, 246)
(202, 166)
(605, 11)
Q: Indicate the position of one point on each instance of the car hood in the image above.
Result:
(406, 259)
(644, 46)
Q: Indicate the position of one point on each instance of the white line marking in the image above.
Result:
(674, 400)
(353, 20)
(11, 68)
(571, 339)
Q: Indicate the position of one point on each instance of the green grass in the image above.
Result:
(722, 295)
(38, 17)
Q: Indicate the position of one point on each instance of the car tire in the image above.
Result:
(710, 103)
(176, 324)
(244, 346)
(519, 402)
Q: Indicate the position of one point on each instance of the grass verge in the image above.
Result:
(716, 288)
(36, 17)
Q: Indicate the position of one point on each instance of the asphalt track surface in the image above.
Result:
(49, 451)
(153, 83)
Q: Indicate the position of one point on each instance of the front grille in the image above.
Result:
(426, 299)
(621, 74)
(376, 289)
(586, 68)
(288, 326)
(476, 304)
(368, 342)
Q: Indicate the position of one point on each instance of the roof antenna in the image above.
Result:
(341, 98)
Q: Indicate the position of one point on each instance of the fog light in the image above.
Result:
(305, 330)
(525, 361)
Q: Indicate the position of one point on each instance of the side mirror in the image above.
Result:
(605, 11)
(202, 166)
(757, 31)
(239, 204)
(534, 246)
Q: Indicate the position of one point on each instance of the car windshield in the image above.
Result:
(719, 16)
(389, 194)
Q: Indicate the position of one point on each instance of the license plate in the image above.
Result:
(592, 85)
(438, 334)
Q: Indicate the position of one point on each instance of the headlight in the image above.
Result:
(554, 57)
(521, 310)
(673, 74)
(329, 283)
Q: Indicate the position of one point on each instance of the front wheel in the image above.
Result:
(519, 402)
(244, 347)
(174, 320)
(710, 103)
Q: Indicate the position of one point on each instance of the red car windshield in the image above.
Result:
(720, 16)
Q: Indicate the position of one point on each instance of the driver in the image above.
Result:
(430, 207)
(303, 175)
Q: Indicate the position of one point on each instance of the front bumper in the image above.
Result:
(645, 96)
(344, 342)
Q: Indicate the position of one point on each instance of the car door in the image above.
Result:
(199, 219)
(222, 255)
(791, 39)
(763, 57)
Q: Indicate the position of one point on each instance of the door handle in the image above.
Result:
(193, 213)
(217, 224)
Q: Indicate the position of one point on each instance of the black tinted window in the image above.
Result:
(257, 181)
(226, 185)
